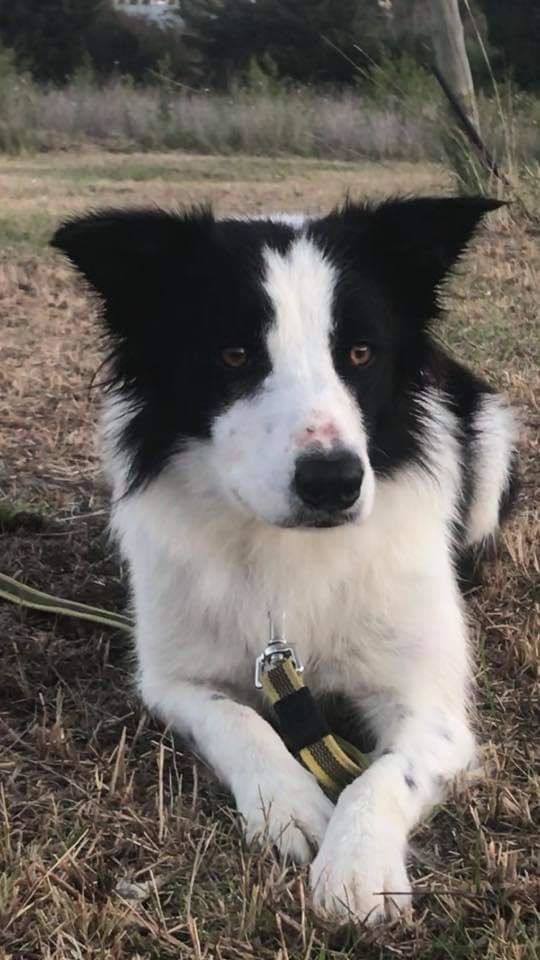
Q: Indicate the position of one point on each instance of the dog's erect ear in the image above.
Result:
(413, 244)
(124, 254)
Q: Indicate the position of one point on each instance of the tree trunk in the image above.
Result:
(451, 55)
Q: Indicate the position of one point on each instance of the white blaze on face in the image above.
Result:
(300, 286)
(302, 403)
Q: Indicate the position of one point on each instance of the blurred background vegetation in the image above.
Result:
(324, 78)
(213, 43)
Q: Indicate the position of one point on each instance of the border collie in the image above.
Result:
(284, 433)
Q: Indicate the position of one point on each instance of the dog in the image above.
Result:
(283, 432)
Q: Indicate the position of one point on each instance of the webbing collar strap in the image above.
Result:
(332, 761)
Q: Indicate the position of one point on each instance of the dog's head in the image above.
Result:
(286, 355)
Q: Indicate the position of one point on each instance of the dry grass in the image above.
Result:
(125, 117)
(114, 843)
(388, 122)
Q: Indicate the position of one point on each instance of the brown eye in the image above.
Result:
(360, 355)
(234, 357)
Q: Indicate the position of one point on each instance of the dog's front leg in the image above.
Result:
(278, 799)
(360, 869)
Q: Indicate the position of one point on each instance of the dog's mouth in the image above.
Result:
(318, 519)
(304, 518)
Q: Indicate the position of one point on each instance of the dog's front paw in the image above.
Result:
(286, 808)
(359, 872)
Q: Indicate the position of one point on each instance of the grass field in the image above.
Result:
(114, 843)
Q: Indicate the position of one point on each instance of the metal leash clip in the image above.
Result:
(276, 650)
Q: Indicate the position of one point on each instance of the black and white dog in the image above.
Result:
(283, 432)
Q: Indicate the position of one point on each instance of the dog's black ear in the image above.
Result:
(412, 244)
(125, 254)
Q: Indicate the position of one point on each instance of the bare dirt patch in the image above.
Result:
(114, 842)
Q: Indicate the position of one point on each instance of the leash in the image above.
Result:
(334, 762)
(24, 596)
(278, 673)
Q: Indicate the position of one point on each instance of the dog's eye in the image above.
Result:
(234, 357)
(360, 355)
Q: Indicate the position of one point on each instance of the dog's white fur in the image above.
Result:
(372, 607)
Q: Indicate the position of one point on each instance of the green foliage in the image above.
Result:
(123, 44)
(402, 79)
(267, 45)
(322, 41)
(60, 39)
(309, 41)
(11, 78)
(84, 74)
(262, 76)
(16, 127)
(47, 36)
(8, 68)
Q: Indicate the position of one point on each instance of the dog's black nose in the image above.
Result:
(328, 481)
